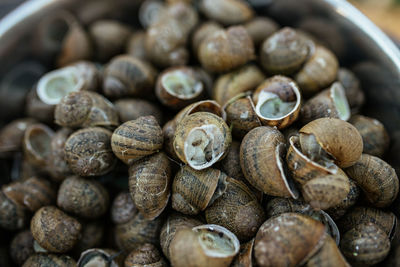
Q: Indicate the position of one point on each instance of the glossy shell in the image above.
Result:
(146, 255)
(37, 144)
(227, 12)
(88, 152)
(150, 184)
(261, 155)
(201, 139)
(136, 139)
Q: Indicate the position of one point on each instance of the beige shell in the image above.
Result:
(204, 245)
(54, 230)
(245, 256)
(37, 144)
(376, 178)
(261, 155)
(277, 101)
(238, 81)
(331, 103)
(40, 259)
(136, 45)
(201, 33)
(328, 255)
(289, 239)
(136, 139)
(260, 28)
(201, 139)
(227, 12)
(150, 184)
(318, 72)
(338, 138)
(194, 190)
(238, 210)
(146, 255)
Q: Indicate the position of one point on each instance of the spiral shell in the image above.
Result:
(11, 135)
(136, 139)
(260, 28)
(57, 166)
(146, 255)
(201, 33)
(40, 259)
(227, 12)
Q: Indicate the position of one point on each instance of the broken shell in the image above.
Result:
(227, 12)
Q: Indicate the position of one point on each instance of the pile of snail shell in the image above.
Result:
(209, 137)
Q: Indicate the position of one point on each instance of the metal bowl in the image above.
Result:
(359, 44)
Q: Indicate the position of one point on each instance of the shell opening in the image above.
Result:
(217, 243)
(40, 142)
(182, 85)
(340, 101)
(280, 152)
(312, 150)
(53, 86)
(203, 146)
(94, 259)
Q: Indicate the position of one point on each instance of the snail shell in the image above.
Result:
(123, 209)
(241, 115)
(201, 32)
(231, 163)
(339, 210)
(237, 210)
(174, 223)
(354, 94)
(261, 154)
(201, 139)
(100, 257)
(284, 52)
(365, 245)
(40, 259)
(279, 205)
(238, 81)
(376, 178)
(277, 101)
(227, 12)
(12, 134)
(225, 50)
(21, 247)
(338, 138)
(33, 193)
(93, 197)
(375, 137)
(177, 87)
(136, 45)
(194, 190)
(37, 144)
(245, 256)
(136, 139)
(85, 109)
(57, 166)
(330, 103)
(149, 184)
(260, 28)
(146, 255)
(289, 239)
(204, 245)
(92, 236)
(318, 72)
(88, 152)
(128, 76)
(133, 108)
(328, 255)
(13, 215)
(54, 230)
(150, 12)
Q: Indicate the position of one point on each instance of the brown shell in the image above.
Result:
(365, 245)
(329, 255)
(37, 144)
(33, 193)
(204, 245)
(375, 137)
(338, 138)
(201, 106)
(260, 28)
(101, 257)
(225, 50)
(261, 155)
(136, 139)
(40, 259)
(54, 230)
(237, 210)
(174, 223)
(150, 184)
(146, 255)
(88, 152)
(279, 205)
(109, 38)
(194, 190)
(350, 200)
(323, 105)
(238, 81)
(57, 166)
(284, 89)
(168, 133)
(201, 32)
(326, 191)
(136, 45)
(128, 76)
(241, 115)
(227, 12)
(13, 216)
(289, 239)
(137, 231)
(85, 109)
(303, 168)
(318, 72)
(12, 134)
(284, 52)
(21, 247)
(92, 236)
(123, 209)
(354, 94)
(245, 256)
(93, 197)
(231, 163)
(201, 139)
(177, 87)
(37, 109)
(132, 108)
(376, 178)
